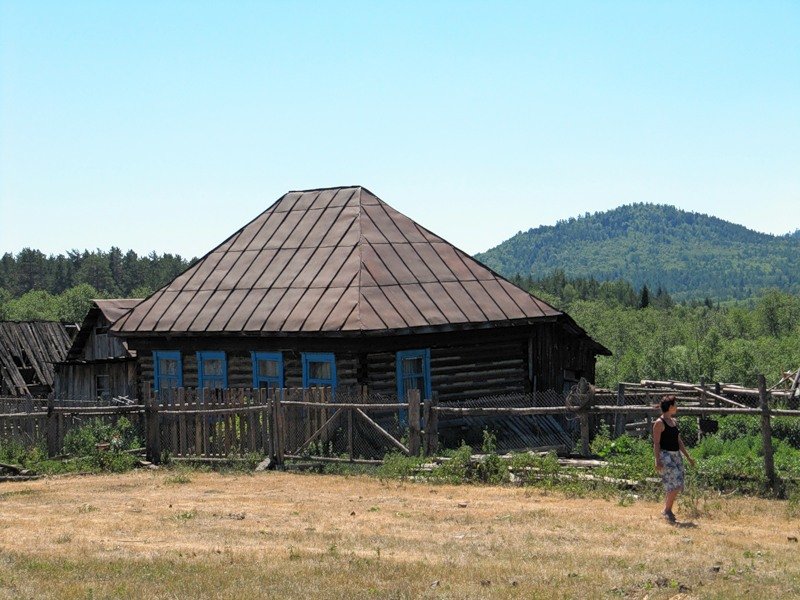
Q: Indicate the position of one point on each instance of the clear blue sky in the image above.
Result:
(167, 125)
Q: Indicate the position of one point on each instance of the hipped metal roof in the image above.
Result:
(332, 261)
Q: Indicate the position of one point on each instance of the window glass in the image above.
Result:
(267, 370)
(211, 370)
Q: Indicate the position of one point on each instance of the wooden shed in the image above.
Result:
(97, 364)
(333, 287)
(28, 353)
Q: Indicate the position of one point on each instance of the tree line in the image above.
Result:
(653, 337)
(35, 286)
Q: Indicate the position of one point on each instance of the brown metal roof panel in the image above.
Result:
(204, 269)
(487, 305)
(330, 300)
(209, 310)
(307, 199)
(383, 306)
(432, 261)
(314, 267)
(452, 313)
(506, 302)
(530, 304)
(240, 316)
(181, 280)
(466, 304)
(384, 223)
(421, 273)
(402, 266)
(229, 260)
(404, 225)
(226, 311)
(255, 263)
(349, 266)
(283, 307)
(300, 231)
(232, 278)
(174, 311)
(284, 229)
(293, 267)
(370, 317)
(257, 320)
(367, 198)
(337, 229)
(157, 309)
(134, 318)
(227, 243)
(453, 260)
(479, 271)
(369, 230)
(431, 315)
(326, 219)
(250, 232)
(345, 317)
(347, 197)
(275, 267)
(305, 305)
(407, 309)
(185, 319)
(286, 202)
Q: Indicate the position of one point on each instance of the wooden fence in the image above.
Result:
(356, 427)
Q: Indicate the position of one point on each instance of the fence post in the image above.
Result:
(766, 435)
(619, 422)
(278, 426)
(426, 421)
(52, 428)
(413, 422)
(432, 426)
(583, 416)
(152, 427)
(703, 403)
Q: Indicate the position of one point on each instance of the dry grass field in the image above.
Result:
(171, 534)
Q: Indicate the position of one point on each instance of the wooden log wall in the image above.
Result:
(78, 381)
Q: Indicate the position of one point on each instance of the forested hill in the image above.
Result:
(692, 255)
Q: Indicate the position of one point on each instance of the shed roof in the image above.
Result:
(332, 261)
(28, 351)
(110, 309)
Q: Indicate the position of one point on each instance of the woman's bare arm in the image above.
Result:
(658, 428)
(683, 449)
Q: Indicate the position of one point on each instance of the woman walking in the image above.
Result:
(668, 446)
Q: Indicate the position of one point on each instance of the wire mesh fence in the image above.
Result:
(510, 432)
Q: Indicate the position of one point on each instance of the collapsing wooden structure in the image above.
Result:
(99, 365)
(28, 352)
(334, 288)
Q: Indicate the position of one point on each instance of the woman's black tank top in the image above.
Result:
(669, 437)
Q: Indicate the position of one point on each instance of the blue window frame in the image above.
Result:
(414, 372)
(167, 373)
(267, 370)
(319, 370)
(212, 370)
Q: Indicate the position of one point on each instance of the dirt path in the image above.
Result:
(170, 535)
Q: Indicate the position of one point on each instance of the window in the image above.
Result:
(167, 373)
(414, 373)
(319, 370)
(267, 370)
(212, 370)
(102, 387)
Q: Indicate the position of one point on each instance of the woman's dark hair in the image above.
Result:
(666, 402)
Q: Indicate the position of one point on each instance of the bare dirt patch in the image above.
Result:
(155, 535)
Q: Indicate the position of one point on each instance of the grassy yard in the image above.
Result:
(171, 534)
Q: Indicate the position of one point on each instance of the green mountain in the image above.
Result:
(692, 255)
